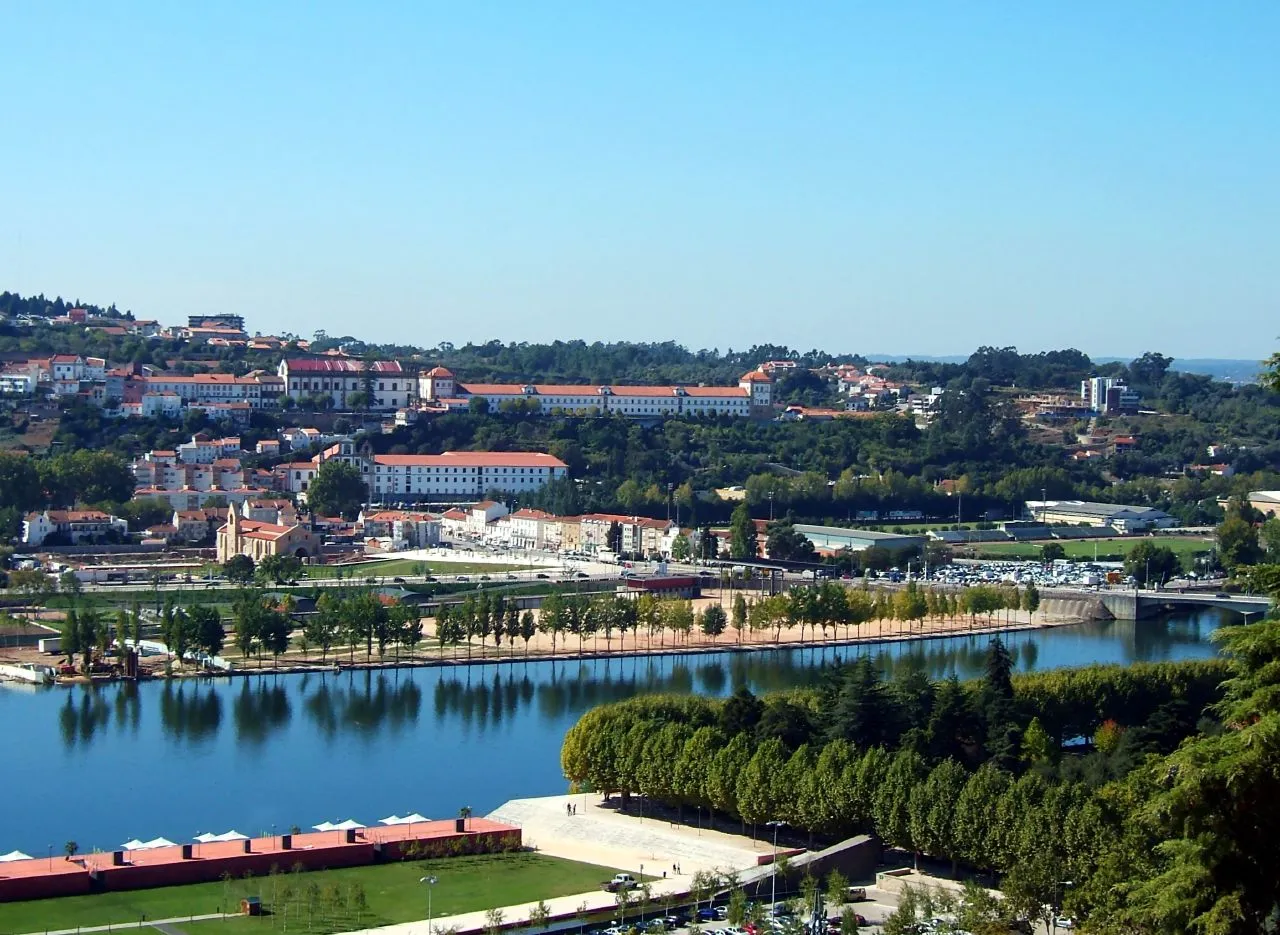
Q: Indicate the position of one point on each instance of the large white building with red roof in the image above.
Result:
(439, 388)
(388, 385)
(460, 474)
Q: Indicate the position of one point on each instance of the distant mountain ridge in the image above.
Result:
(1220, 368)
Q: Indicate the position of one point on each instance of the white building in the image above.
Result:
(459, 474)
(1116, 516)
(17, 383)
(533, 529)
(1108, 395)
(76, 525)
(753, 393)
(259, 390)
(388, 385)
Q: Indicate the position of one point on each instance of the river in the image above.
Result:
(101, 765)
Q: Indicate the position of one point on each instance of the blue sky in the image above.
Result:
(897, 177)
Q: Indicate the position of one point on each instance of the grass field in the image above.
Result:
(1108, 550)
(325, 900)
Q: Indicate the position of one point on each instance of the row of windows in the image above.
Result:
(350, 385)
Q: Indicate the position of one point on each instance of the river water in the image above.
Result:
(106, 764)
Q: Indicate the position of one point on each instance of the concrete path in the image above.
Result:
(121, 926)
(598, 835)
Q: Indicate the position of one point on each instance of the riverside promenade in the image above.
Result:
(601, 835)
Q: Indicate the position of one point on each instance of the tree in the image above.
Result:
(527, 629)
(1237, 541)
(1270, 376)
(713, 620)
(238, 569)
(540, 915)
(1031, 598)
(785, 544)
(208, 632)
(742, 533)
(1052, 552)
(20, 488)
(478, 406)
(71, 848)
(337, 490)
(1148, 562)
(680, 548)
(278, 569)
(69, 582)
(274, 633)
(1201, 832)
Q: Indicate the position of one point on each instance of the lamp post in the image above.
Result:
(773, 876)
(430, 881)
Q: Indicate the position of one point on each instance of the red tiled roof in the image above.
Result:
(330, 365)
(439, 372)
(474, 459)
(715, 391)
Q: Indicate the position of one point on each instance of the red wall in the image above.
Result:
(203, 870)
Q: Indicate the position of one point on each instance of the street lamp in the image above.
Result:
(430, 881)
(773, 876)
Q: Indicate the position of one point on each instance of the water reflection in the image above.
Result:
(82, 715)
(190, 711)
(360, 703)
(259, 709)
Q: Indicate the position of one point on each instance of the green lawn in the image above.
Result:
(1108, 550)
(326, 900)
(405, 568)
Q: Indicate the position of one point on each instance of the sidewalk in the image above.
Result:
(120, 926)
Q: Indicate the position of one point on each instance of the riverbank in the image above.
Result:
(544, 647)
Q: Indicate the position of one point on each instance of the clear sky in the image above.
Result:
(897, 177)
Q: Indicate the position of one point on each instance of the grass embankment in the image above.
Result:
(325, 900)
(1108, 550)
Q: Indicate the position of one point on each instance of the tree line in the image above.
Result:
(1035, 778)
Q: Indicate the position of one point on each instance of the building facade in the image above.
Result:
(753, 395)
(258, 540)
(388, 385)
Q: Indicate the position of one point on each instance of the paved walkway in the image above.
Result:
(121, 926)
(598, 835)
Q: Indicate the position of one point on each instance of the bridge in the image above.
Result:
(1134, 605)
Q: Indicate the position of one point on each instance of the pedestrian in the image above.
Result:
(568, 809)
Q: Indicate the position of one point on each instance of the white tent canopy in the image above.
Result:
(14, 855)
(325, 826)
(413, 819)
(136, 845)
(349, 824)
(232, 835)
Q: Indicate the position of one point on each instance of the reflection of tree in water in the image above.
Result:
(362, 704)
(259, 709)
(128, 710)
(190, 712)
(82, 714)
